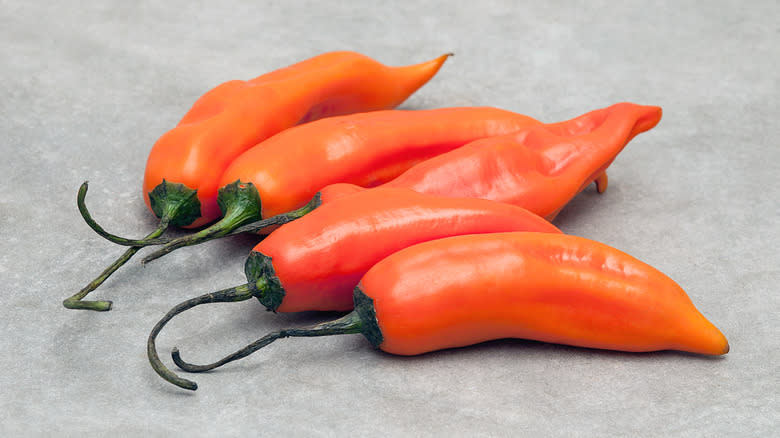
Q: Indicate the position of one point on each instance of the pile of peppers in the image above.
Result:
(428, 229)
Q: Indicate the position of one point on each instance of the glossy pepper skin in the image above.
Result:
(237, 115)
(363, 149)
(540, 168)
(314, 263)
(561, 289)
(463, 290)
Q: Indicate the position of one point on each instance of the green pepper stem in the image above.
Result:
(174, 204)
(151, 239)
(75, 301)
(239, 203)
(219, 229)
(348, 324)
(281, 219)
(233, 294)
(233, 223)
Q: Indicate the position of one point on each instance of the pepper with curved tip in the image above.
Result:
(184, 167)
(540, 169)
(285, 171)
(556, 288)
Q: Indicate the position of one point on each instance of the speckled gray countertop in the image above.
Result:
(86, 89)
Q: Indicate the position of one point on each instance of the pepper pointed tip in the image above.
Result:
(650, 117)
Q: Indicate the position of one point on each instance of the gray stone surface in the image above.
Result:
(86, 89)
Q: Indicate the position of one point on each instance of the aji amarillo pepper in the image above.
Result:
(315, 262)
(540, 168)
(184, 167)
(463, 290)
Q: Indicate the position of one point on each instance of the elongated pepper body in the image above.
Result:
(237, 115)
(363, 149)
(562, 289)
(315, 262)
(540, 168)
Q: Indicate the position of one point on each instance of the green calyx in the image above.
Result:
(364, 307)
(239, 203)
(263, 282)
(176, 202)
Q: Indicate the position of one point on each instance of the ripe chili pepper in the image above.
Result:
(314, 263)
(464, 290)
(540, 168)
(285, 171)
(184, 167)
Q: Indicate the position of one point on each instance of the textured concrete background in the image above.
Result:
(86, 89)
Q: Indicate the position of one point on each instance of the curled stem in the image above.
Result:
(233, 294)
(348, 324)
(151, 239)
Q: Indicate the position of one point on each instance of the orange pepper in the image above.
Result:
(540, 168)
(463, 290)
(552, 288)
(366, 149)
